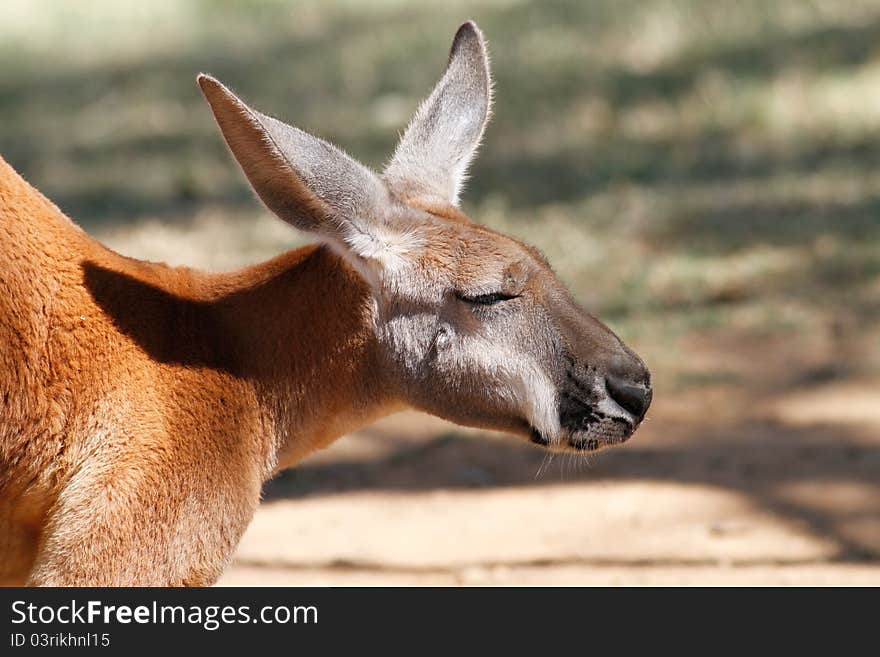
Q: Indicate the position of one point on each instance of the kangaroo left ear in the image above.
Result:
(306, 181)
(433, 155)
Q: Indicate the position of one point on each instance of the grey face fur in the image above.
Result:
(475, 327)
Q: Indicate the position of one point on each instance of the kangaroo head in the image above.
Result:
(474, 326)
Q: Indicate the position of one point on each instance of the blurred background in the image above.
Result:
(704, 175)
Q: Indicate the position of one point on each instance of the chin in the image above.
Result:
(586, 437)
(605, 433)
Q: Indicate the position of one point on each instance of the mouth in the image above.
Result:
(585, 427)
(603, 431)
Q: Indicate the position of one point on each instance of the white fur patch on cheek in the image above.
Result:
(519, 380)
(513, 383)
(538, 398)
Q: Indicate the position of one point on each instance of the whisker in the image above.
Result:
(541, 466)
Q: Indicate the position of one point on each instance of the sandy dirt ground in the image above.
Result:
(718, 488)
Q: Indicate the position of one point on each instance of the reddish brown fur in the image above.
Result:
(142, 406)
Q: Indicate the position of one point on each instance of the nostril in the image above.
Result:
(634, 398)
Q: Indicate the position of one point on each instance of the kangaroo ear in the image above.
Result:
(433, 155)
(304, 180)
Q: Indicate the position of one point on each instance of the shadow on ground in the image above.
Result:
(791, 472)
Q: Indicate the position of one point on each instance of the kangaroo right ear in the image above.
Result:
(432, 158)
(304, 180)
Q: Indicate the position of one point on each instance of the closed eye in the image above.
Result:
(487, 299)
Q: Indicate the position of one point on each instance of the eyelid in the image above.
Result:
(486, 299)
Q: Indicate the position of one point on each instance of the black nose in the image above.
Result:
(634, 398)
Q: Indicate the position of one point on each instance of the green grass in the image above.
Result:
(690, 167)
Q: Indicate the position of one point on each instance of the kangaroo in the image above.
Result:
(142, 407)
